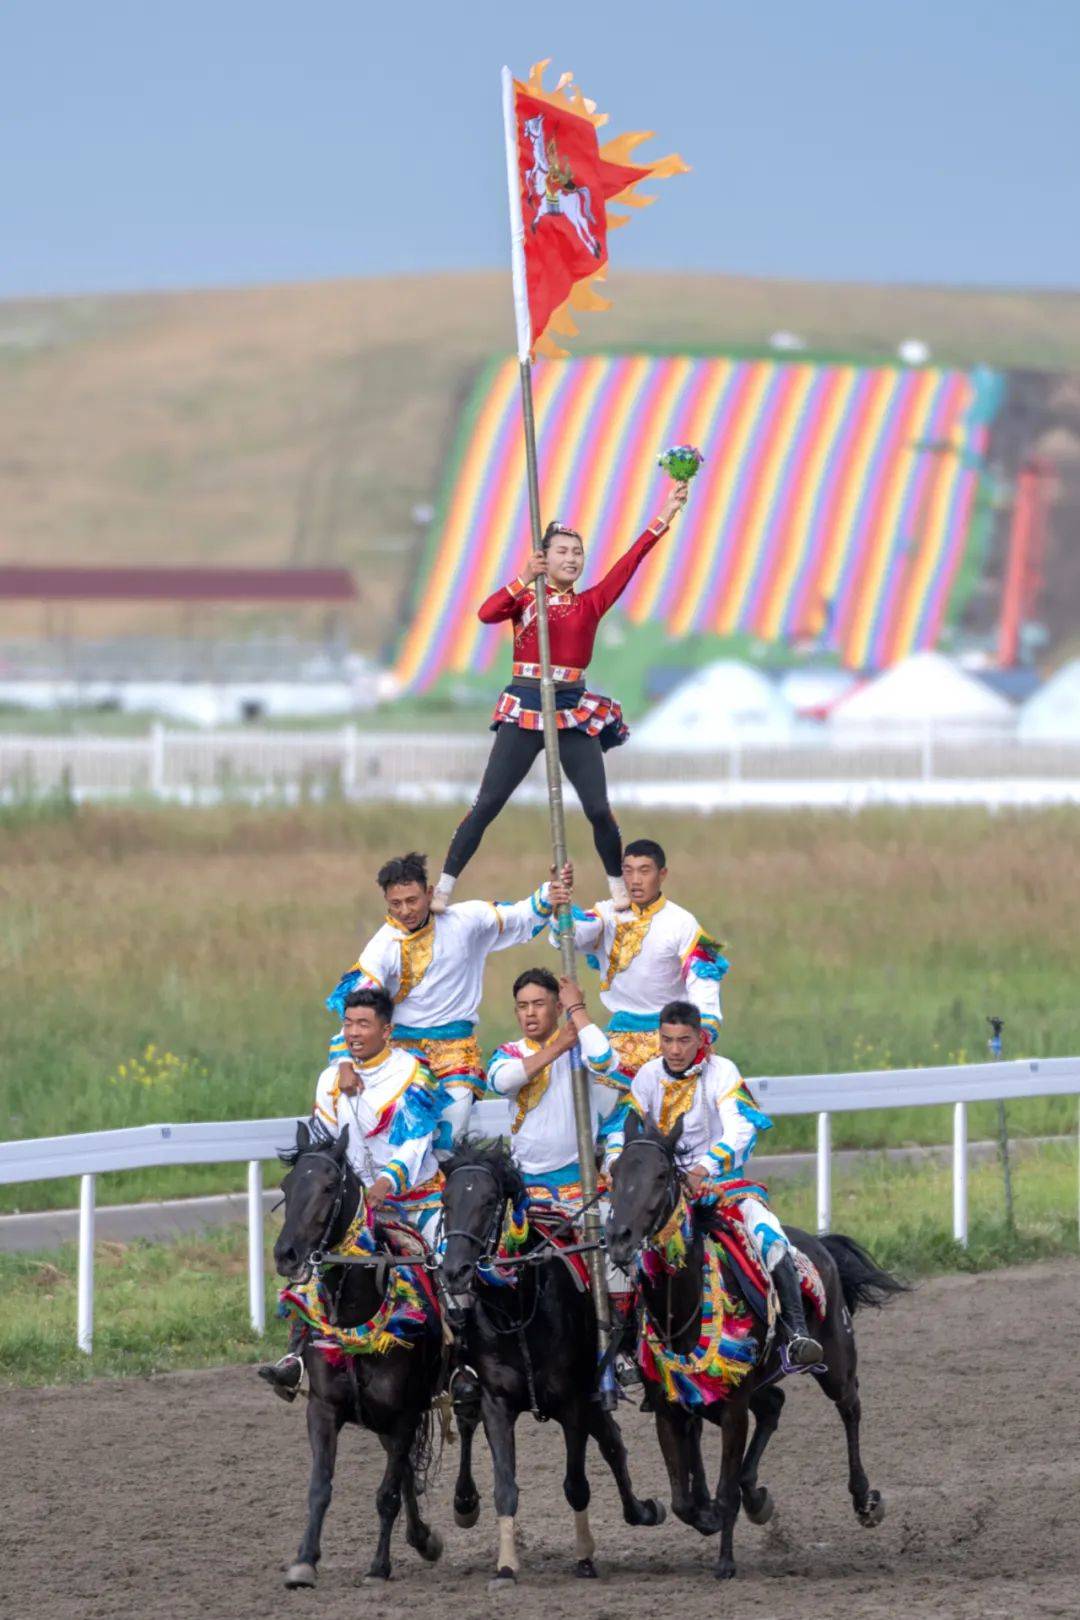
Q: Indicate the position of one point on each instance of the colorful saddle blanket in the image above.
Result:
(729, 1231)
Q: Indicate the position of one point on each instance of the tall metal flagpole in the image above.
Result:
(564, 916)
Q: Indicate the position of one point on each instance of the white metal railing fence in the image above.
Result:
(253, 1141)
(824, 767)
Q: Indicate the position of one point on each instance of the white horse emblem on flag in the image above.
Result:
(551, 188)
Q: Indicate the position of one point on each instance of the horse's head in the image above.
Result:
(645, 1185)
(534, 127)
(321, 1194)
(481, 1179)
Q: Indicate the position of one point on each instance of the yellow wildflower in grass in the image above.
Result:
(157, 1071)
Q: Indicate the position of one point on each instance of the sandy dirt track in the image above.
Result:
(184, 1496)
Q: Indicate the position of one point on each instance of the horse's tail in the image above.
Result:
(862, 1280)
(422, 1453)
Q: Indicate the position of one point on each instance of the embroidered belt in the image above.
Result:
(560, 672)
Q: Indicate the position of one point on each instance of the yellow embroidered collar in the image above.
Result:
(371, 1063)
(416, 953)
(533, 1090)
(630, 937)
(678, 1095)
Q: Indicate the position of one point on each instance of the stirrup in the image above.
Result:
(286, 1376)
(801, 1351)
(627, 1373)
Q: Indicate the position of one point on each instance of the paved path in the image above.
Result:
(48, 1229)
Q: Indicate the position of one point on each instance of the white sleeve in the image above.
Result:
(596, 1050)
(738, 1134)
(506, 1072)
(702, 969)
(520, 921)
(588, 930)
(404, 1167)
(380, 963)
(326, 1100)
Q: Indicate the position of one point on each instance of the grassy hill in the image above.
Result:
(301, 424)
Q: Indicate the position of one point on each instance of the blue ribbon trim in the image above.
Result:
(335, 1001)
(459, 1030)
(623, 1022)
(418, 1113)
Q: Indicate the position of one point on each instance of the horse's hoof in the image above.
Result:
(373, 1578)
(764, 1509)
(707, 1522)
(725, 1570)
(873, 1512)
(504, 1580)
(298, 1575)
(467, 1517)
(432, 1550)
(654, 1512)
(585, 1569)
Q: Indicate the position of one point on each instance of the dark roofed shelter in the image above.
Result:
(281, 587)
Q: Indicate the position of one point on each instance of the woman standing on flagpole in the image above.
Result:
(588, 724)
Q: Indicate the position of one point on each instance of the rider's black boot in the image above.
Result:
(803, 1351)
(286, 1376)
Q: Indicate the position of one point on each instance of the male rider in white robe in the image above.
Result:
(720, 1125)
(432, 966)
(392, 1108)
(652, 954)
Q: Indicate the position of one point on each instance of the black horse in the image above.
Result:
(388, 1393)
(532, 1347)
(647, 1187)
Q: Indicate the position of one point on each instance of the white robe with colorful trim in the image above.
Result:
(653, 955)
(721, 1123)
(391, 1121)
(543, 1132)
(435, 976)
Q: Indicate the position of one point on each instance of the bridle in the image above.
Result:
(317, 1254)
(488, 1244)
(674, 1188)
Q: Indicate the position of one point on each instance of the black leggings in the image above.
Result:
(511, 759)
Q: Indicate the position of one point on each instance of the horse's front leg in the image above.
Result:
(679, 1435)
(575, 1427)
(466, 1493)
(766, 1405)
(733, 1427)
(608, 1436)
(324, 1424)
(418, 1533)
(388, 1497)
(499, 1420)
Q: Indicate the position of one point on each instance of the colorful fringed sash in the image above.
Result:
(406, 1313)
(726, 1350)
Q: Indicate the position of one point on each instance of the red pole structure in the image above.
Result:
(1022, 568)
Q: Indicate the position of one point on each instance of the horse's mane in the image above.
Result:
(494, 1155)
(321, 1142)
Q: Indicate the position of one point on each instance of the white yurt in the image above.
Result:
(1052, 714)
(926, 689)
(724, 704)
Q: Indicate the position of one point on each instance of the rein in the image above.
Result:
(674, 1196)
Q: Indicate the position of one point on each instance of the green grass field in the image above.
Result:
(166, 965)
(163, 1307)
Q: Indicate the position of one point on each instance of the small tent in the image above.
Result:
(925, 689)
(1053, 712)
(724, 704)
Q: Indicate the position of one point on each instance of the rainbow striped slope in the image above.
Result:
(835, 503)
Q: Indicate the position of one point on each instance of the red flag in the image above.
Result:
(567, 180)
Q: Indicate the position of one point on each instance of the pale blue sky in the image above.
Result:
(152, 146)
